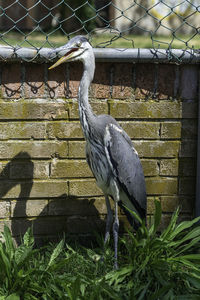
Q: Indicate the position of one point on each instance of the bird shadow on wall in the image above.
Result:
(49, 218)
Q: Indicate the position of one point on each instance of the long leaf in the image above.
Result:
(186, 246)
(191, 257)
(56, 253)
(5, 262)
(167, 232)
(157, 217)
(185, 263)
(182, 226)
(28, 238)
(192, 234)
(10, 248)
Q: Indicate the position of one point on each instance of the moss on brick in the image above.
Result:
(171, 130)
(146, 109)
(70, 169)
(161, 186)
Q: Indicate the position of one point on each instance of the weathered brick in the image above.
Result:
(171, 130)
(40, 226)
(98, 107)
(41, 169)
(22, 130)
(56, 86)
(161, 186)
(84, 188)
(150, 167)
(170, 203)
(11, 81)
(35, 149)
(122, 85)
(145, 109)
(4, 209)
(49, 189)
(33, 85)
(166, 78)
(75, 74)
(151, 149)
(70, 169)
(101, 82)
(85, 224)
(77, 206)
(169, 167)
(29, 169)
(144, 130)
(77, 149)
(4, 170)
(145, 81)
(29, 208)
(64, 130)
(37, 189)
(34, 110)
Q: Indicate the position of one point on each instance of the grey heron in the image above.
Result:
(110, 153)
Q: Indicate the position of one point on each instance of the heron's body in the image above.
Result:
(109, 150)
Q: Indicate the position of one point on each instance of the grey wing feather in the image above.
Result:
(126, 166)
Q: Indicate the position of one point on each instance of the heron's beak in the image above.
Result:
(66, 57)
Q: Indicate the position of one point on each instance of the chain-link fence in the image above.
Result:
(153, 24)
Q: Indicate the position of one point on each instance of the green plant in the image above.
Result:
(152, 266)
(24, 271)
(160, 266)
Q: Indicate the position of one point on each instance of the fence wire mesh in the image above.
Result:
(153, 24)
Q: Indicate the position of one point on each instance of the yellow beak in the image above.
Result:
(66, 57)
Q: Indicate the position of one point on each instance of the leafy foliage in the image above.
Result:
(161, 266)
(152, 266)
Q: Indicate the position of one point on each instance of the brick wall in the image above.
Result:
(45, 181)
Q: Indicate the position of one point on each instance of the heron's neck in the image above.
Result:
(85, 111)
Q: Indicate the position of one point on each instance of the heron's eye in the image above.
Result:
(78, 44)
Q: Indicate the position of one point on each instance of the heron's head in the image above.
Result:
(78, 48)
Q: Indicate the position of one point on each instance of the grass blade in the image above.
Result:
(157, 217)
(183, 226)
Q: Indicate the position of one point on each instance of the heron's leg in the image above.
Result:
(116, 223)
(108, 220)
(115, 233)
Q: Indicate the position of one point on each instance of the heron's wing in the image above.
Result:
(126, 166)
